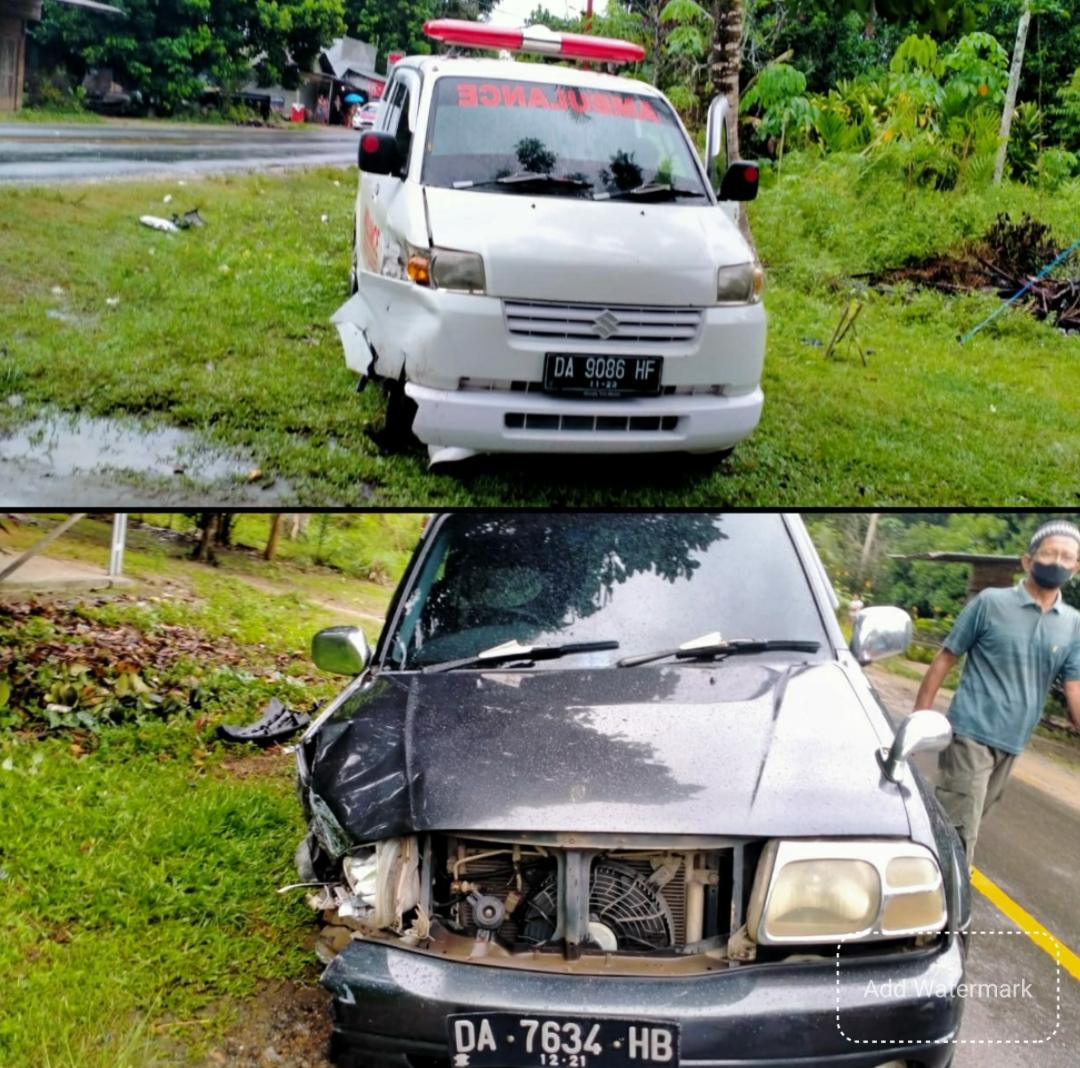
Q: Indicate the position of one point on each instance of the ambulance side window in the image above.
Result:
(392, 111)
(401, 130)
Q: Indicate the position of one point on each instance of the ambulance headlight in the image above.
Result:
(451, 269)
(741, 284)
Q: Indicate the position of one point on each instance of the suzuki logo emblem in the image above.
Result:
(606, 324)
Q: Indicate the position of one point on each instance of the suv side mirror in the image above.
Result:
(342, 650)
(740, 181)
(880, 632)
(379, 153)
(923, 731)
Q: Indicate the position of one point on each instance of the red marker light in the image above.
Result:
(606, 49)
(751, 174)
(369, 143)
(537, 39)
(477, 34)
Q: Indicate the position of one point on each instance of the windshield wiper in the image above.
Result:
(712, 645)
(500, 654)
(650, 189)
(530, 179)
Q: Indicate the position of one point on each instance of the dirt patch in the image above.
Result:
(267, 764)
(285, 1025)
(1005, 259)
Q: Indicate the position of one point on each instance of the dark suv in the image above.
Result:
(614, 790)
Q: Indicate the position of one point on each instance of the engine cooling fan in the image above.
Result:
(622, 905)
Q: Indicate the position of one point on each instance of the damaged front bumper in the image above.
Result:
(390, 1006)
(478, 380)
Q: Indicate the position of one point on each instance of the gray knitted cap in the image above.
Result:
(1060, 527)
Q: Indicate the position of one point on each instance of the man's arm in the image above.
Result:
(941, 665)
(1072, 699)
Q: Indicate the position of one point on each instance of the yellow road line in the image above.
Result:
(1025, 921)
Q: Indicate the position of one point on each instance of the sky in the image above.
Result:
(515, 12)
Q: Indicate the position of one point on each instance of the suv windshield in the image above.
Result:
(604, 142)
(645, 581)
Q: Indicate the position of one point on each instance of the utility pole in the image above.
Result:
(1011, 91)
(116, 549)
(868, 546)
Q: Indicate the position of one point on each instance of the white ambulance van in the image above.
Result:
(542, 263)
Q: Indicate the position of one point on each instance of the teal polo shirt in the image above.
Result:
(1014, 652)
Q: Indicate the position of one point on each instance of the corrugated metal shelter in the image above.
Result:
(987, 569)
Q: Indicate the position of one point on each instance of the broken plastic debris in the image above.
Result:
(189, 219)
(275, 725)
(155, 222)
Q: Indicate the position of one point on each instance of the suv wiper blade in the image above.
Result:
(650, 189)
(530, 178)
(702, 649)
(500, 654)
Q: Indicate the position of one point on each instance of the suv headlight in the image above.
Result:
(446, 268)
(845, 890)
(743, 283)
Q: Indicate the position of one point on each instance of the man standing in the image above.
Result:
(1017, 642)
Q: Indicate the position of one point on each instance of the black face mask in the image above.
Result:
(1050, 576)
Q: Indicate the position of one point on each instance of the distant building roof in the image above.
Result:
(988, 569)
(348, 58)
(960, 558)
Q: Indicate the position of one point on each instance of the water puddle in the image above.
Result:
(66, 459)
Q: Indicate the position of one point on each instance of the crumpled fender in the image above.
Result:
(388, 325)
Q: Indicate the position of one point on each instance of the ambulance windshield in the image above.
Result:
(507, 136)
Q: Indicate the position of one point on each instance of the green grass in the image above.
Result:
(225, 330)
(72, 113)
(293, 598)
(139, 864)
(139, 888)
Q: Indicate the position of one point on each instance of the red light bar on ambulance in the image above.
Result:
(533, 39)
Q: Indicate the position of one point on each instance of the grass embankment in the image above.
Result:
(140, 861)
(225, 330)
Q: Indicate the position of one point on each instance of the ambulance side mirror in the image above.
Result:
(379, 153)
(740, 181)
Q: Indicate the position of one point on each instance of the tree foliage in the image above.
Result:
(929, 590)
(169, 52)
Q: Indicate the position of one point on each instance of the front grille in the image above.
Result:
(598, 322)
(591, 423)
(499, 385)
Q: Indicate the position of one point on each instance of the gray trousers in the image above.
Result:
(971, 780)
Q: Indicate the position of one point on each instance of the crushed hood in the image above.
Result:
(634, 253)
(743, 748)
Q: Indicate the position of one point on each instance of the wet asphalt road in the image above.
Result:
(78, 152)
(1029, 846)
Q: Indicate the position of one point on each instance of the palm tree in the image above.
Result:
(725, 58)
